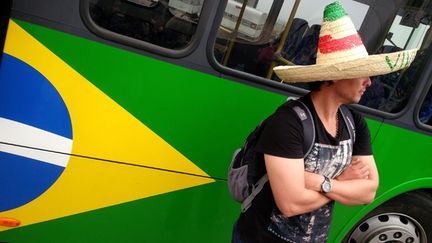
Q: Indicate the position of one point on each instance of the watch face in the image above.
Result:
(326, 187)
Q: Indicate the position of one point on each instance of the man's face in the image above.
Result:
(351, 90)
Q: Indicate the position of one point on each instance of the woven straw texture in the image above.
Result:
(369, 66)
(342, 55)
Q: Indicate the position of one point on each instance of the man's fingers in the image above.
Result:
(355, 161)
(365, 174)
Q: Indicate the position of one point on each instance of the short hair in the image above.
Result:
(316, 85)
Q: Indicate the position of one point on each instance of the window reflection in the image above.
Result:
(169, 24)
(410, 29)
(387, 26)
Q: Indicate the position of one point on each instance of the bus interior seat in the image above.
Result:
(101, 12)
(294, 38)
(178, 32)
(304, 52)
(307, 50)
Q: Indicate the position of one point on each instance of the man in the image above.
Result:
(296, 205)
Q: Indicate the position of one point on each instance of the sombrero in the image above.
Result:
(342, 55)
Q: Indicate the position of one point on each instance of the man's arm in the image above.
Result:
(357, 170)
(354, 187)
(287, 181)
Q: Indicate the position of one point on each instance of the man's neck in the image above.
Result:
(326, 104)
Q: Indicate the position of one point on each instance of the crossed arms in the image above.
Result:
(296, 191)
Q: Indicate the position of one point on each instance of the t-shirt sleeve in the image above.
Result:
(362, 145)
(282, 136)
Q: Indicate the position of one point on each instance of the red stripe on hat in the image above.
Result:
(327, 44)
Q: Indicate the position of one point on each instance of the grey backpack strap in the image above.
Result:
(349, 121)
(305, 116)
(309, 138)
(257, 188)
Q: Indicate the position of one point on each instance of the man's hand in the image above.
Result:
(357, 185)
(357, 170)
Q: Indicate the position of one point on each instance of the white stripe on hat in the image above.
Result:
(339, 28)
(342, 56)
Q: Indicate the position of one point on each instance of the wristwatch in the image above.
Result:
(326, 185)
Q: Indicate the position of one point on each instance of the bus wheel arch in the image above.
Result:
(401, 219)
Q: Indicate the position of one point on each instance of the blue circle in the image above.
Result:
(27, 97)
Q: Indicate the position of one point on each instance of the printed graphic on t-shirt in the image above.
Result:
(329, 160)
(308, 227)
(324, 159)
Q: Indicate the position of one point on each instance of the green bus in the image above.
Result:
(118, 118)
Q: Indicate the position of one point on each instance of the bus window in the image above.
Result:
(425, 115)
(242, 31)
(410, 28)
(291, 38)
(270, 33)
(166, 23)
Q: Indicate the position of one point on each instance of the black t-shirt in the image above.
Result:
(283, 136)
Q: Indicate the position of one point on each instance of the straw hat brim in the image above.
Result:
(372, 65)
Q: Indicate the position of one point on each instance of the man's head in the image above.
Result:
(347, 91)
(351, 90)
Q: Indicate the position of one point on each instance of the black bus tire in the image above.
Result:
(406, 218)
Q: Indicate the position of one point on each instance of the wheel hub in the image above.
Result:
(389, 228)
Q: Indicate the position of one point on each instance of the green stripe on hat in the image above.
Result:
(334, 11)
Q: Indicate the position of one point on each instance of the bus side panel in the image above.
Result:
(151, 143)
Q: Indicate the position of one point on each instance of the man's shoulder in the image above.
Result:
(357, 116)
(287, 113)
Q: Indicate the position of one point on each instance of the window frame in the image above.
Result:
(251, 79)
(84, 10)
(427, 87)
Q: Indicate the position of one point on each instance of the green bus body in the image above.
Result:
(205, 117)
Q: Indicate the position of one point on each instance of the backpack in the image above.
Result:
(246, 173)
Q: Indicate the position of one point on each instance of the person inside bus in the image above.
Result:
(297, 203)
